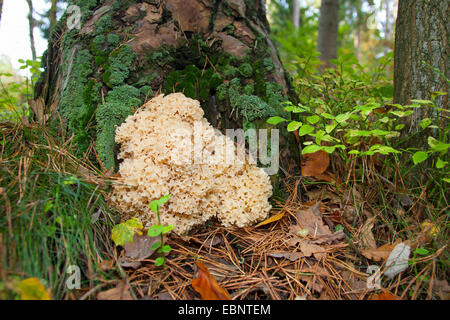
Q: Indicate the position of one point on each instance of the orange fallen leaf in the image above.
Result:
(385, 295)
(381, 253)
(271, 219)
(207, 286)
(315, 164)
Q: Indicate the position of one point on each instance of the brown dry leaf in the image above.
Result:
(141, 247)
(338, 235)
(442, 288)
(316, 163)
(309, 249)
(207, 286)
(271, 219)
(326, 176)
(121, 292)
(311, 219)
(385, 295)
(366, 235)
(292, 256)
(381, 253)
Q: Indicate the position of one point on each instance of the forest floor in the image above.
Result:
(317, 244)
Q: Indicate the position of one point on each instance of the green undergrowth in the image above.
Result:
(54, 218)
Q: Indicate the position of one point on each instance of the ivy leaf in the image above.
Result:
(275, 120)
(419, 157)
(294, 125)
(166, 249)
(124, 232)
(156, 204)
(167, 229)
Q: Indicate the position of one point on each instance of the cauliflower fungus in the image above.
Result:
(167, 147)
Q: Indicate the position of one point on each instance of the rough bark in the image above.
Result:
(328, 31)
(31, 25)
(421, 38)
(218, 52)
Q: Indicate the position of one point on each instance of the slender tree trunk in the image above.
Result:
(218, 52)
(359, 24)
(52, 14)
(31, 24)
(1, 10)
(421, 45)
(328, 31)
(296, 13)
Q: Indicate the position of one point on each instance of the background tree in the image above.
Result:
(218, 52)
(1, 9)
(327, 42)
(296, 13)
(421, 56)
(49, 18)
(31, 26)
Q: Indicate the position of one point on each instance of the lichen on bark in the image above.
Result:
(218, 52)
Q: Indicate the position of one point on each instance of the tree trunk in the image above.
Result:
(218, 52)
(328, 31)
(296, 13)
(31, 24)
(1, 10)
(421, 38)
(52, 14)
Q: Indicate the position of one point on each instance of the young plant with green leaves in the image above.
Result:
(159, 231)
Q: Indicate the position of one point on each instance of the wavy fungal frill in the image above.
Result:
(168, 147)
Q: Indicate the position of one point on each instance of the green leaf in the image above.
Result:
(438, 93)
(305, 129)
(156, 204)
(313, 119)
(166, 249)
(294, 125)
(419, 157)
(311, 149)
(441, 163)
(156, 246)
(446, 180)
(422, 101)
(421, 251)
(437, 145)
(327, 116)
(399, 126)
(167, 229)
(124, 232)
(343, 117)
(330, 127)
(159, 261)
(155, 230)
(425, 123)
(275, 120)
(353, 152)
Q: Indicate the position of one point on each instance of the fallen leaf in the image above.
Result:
(381, 253)
(33, 289)
(366, 236)
(207, 286)
(314, 164)
(271, 219)
(442, 288)
(124, 232)
(398, 260)
(385, 295)
(141, 247)
(338, 235)
(311, 219)
(309, 249)
(292, 256)
(121, 292)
